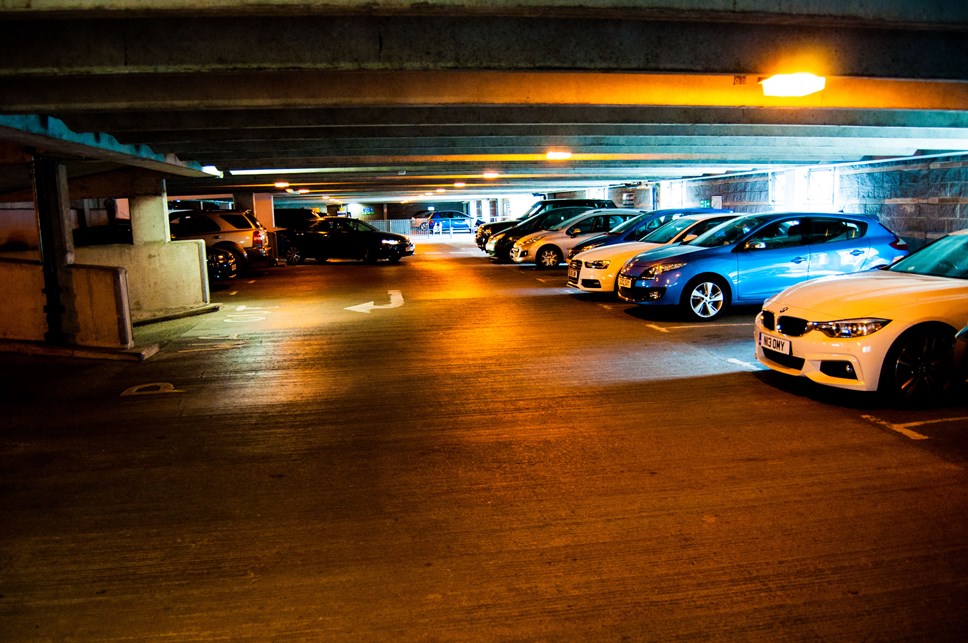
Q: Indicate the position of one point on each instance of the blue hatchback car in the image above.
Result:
(751, 258)
(636, 228)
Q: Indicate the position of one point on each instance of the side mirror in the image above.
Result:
(755, 245)
(574, 232)
(688, 238)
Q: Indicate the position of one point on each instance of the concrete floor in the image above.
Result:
(481, 455)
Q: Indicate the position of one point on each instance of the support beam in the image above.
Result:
(56, 248)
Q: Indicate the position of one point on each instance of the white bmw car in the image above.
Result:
(890, 330)
(597, 269)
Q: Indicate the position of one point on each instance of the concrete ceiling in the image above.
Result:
(386, 100)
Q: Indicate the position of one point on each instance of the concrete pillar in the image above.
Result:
(52, 202)
(149, 218)
(261, 206)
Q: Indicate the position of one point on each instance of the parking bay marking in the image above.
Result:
(905, 428)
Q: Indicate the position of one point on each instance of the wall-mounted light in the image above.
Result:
(793, 85)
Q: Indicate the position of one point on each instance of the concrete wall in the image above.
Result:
(163, 278)
(920, 200)
(100, 305)
(21, 291)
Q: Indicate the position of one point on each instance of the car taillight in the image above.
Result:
(259, 238)
(899, 244)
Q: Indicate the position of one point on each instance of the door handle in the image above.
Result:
(856, 253)
(799, 259)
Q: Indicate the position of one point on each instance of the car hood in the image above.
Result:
(665, 252)
(873, 293)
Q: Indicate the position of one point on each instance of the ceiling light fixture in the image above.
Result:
(558, 155)
(281, 184)
(460, 184)
(491, 175)
(793, 85)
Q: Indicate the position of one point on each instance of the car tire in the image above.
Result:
(548, 257)
(705, 298)
(919, 367)
(294, 255)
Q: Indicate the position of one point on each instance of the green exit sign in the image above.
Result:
(705, 203)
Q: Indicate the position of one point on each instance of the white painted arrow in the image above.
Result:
(396, 300)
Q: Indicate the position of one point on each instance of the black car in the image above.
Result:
(291, 220)
(485, 230)
(500, 244)
(344, 238)
(222, 265)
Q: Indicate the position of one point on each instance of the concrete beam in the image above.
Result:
(696, 42)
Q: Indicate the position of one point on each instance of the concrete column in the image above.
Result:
(52, 202)
(149, 218)
(261, 206)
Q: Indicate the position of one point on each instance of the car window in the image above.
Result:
(649, 224)
(238, 221)
(668, 231)
(779, 234)
(194, 224)
(729, 233)
(826, 230)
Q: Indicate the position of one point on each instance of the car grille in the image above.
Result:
(788, 361)
(769, 320)
(789, 326)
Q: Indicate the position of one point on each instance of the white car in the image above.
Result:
(890, 330)
(548, 248)
(596, 270)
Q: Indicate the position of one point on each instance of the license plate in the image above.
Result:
(573, 273)
(624, 282)
(775, 343)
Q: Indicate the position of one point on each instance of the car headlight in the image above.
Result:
(600, 264)
(654, 271)
(846, 328)
(531, 240)
(390, 242)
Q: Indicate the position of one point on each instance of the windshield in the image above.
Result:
(946, 257)
(630, 224)
(727, 233)
(668, 231)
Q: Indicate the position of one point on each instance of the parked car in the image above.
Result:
(345, 238)
(636, 229)
(548, 248)
(753, 257)
(485, 230)
(596, 270)
(449, 220)
(890, 330)
(222, 266)
(236, 231)
(500, 244)
(290, 220)
(296, 218)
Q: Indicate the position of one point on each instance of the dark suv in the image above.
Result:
(235, 231)
(485, 231)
